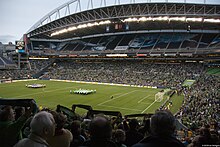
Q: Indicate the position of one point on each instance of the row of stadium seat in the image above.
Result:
(145, 42)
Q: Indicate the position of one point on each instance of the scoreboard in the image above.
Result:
(20, 46)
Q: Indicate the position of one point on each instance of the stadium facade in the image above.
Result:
(128, 29)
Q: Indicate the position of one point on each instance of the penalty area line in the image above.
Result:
(121, 108)
(116, 97)
(148, 107)
(143, 98)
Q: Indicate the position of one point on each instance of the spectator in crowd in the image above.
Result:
(42, 127)
(145, 130)
(62, 137)
(101, 133)
(78, 139)
(162, 127)
(19, 111)
(204, 138)
(132, 135)
(10, 132)
(119, 137)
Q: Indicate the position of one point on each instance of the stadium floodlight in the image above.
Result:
(90, 24)
(134, 19)
(53, 34)
(194, 19)
(142, 19)
(130, 19)
(63, 31)
(96, 23)
(177, 19)
(161, 18)
(212, 20)
(71, 28)
(104, 22)
(81, 26)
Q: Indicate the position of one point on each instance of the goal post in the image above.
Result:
(159, 96)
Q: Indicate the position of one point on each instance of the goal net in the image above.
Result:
(159, 96)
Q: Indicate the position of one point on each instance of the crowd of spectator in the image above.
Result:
(199, 112)
(48, 128)
(125, 72)
(201, 103)
(26, 71)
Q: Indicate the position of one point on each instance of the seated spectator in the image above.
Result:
(162, 128)
(42, 127)
(10, 132)
(62, 137)
(101, 132)
(78, 139)
(132, 135)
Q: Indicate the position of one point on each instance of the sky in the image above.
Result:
(18, 16)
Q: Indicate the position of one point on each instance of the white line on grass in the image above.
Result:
(117, 97)
(143, 98)
(116, 94)
(121, 108)
(144, 103)
(148, 107)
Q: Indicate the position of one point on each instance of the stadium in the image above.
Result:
(125, 59)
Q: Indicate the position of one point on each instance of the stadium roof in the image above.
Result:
(73, 13)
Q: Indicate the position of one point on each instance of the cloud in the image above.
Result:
(7, 38)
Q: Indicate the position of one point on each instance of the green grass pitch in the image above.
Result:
(127, 100)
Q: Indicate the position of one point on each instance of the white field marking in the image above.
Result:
(148, 107)
(117, 97)
(116, 94)
(48, 91)
(120, 108)
(143, 98)
(144, 103)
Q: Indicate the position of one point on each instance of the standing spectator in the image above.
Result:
(10, 132)
(62, 137)
(162, 126)
(42, 127)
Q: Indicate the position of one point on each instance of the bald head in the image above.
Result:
(100, 128)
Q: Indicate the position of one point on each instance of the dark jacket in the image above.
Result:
(155, 141)
(10, 132)
(99, 143)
